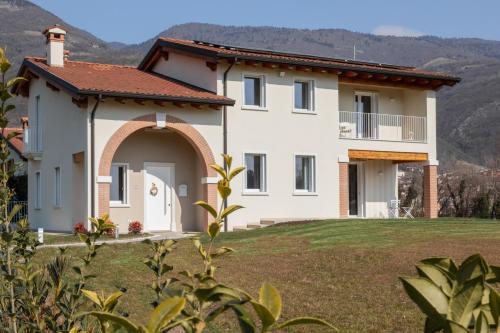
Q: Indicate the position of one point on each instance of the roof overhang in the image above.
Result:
(349, 72)
(30, 71)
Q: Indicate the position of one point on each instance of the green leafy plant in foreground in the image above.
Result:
(193, 300)
(456, 299)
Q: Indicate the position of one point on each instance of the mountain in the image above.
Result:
(468, 114)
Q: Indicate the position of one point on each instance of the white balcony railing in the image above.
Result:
(33, 142)
(376, 126)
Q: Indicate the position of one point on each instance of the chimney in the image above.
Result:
(55, 45)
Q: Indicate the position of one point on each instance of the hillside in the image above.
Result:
(468, 114)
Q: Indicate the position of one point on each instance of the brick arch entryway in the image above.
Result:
(177, 125)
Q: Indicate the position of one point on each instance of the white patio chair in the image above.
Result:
(408, 210)
(394, 207)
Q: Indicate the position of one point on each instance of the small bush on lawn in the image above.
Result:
(79, 228)
(111, 231)
(135, 228)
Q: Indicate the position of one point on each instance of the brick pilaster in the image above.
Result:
(343, 190)
(430, 192)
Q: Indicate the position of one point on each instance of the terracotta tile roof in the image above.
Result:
(87, 78)
(225, 51)
(17, 142)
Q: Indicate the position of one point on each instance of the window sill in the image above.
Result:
(37, 208)
(56, 207)
(118, 205)
(254, 108)
(302, 111)
(249, 193)
(304, 193)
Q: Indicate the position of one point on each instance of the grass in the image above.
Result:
(345, 271)
(53, 238)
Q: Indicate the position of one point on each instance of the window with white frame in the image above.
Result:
(119, 183)
(255, 170)
(303, 95)
(254, 89)
(57, 187)
(305, 173)
(38, 190)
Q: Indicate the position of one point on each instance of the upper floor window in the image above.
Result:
(119, 183)
(255, 168)
(305, 174)
(303, 95)
(254, 89)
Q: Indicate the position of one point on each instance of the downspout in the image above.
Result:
(224, 128)
(92, 156)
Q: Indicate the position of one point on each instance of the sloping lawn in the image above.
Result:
(345, 271)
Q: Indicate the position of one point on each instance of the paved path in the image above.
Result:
(159, 236)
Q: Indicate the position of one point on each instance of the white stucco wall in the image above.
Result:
(276, 131)
(64, 133)
(188, 69)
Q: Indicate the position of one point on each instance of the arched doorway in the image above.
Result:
(177, 156)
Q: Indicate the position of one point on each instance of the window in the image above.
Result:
(37, 137)
(303, 95)
(305, 174)
(255, 168)
(254, 91)
(38, 190)
(57, 187)
(118, 194)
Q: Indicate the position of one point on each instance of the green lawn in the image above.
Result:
(345, 271)
(60, 238)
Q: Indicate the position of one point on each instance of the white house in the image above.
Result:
(319, 137)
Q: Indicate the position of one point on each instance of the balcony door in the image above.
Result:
(365, 104)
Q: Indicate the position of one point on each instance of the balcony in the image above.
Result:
(33, 143)
(384, 127)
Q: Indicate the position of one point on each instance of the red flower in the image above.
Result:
(135, 227)
(79, 228)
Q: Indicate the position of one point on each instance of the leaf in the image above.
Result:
(264, 314)
(271, 299)
(14, 81)
(493, 275)
(92, 295)
(215, 293)
(456, 328)
(235, 172)
(495, 305)
(436, 276)
(165, 312)
(221, 251)
(463, 303)
(213, 229)
(229, 210)
(223, 189)
(246, 323)
(433, 326)
(472, 267)
(482, 325)
(447, 265)
(220, 170)
(207, 207)
(115, 319)
(428, 297)
(111, 301)
(305, 321)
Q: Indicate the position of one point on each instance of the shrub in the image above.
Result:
(135, 227)
(79, 228)
(111, 231)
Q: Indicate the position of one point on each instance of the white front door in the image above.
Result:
(159, 183)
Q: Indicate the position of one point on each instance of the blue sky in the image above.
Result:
(132, 21)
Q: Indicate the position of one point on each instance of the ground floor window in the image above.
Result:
(38, 190)
(57, 187)
(305, 173)
(119, 183)
(255, 168)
